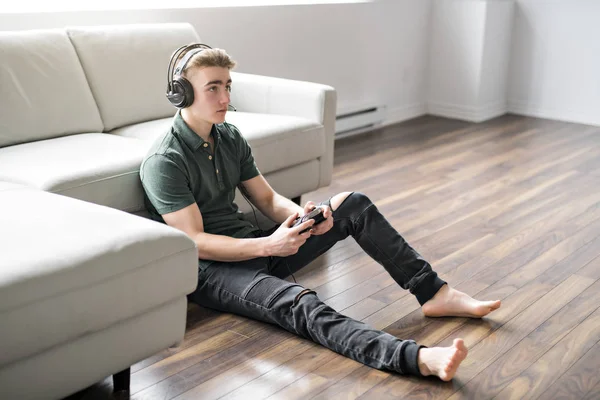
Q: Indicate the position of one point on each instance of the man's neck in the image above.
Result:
(200, 127)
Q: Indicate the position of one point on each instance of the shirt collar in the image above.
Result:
(189, 136)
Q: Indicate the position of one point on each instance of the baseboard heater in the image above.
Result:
(358, 121)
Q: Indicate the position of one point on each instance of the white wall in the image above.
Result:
(496, 55)
(469, 52)
(456, 51)
(370, 52)
(398, 64)
(379, 52)
(555, 60)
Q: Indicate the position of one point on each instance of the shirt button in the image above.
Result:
(210, 157)
(217, 171)
(205, 144)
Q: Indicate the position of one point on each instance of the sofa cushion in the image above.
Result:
(70, 268)
(126, 66)
(149, 131)
(277, 141)
(44, 90)
(96, 167)
(280, 141)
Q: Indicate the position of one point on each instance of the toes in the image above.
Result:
(459, 344)
(446, 375)
(483, 309)
(448, 372)
(461, 350)
(493, 304)
(489, 306)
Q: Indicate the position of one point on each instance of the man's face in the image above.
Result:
(212, 86)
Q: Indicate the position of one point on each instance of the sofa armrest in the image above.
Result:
(269, 95)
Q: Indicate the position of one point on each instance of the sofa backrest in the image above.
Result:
(44, 91)
(126, 67)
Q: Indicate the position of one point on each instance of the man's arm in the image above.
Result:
(283, 242)
(214, 247)
(269, 202)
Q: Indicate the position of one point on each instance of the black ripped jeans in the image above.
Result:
(255, 288)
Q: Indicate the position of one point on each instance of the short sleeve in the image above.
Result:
(166, 184)
(248, 168)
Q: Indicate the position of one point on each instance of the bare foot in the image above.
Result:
(442, 361)
(449, 302)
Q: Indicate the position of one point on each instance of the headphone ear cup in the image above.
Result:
(188, 91)
(175, 95)
(182, 95)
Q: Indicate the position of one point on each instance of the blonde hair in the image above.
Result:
(209, 58)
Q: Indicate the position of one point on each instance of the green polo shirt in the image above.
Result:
(180, 169)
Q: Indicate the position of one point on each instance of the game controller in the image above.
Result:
(316, 214)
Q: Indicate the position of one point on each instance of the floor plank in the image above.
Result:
(580, 379)
(512, 363)
(319, 380)
(538, 377)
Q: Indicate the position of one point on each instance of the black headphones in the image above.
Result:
(179, 90)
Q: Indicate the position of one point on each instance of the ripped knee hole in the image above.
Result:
(302, 293)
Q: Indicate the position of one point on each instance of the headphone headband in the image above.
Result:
(190, 52)
(171, 74)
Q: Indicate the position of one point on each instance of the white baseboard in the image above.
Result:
(467, 113)
(479, 114)
(533, 110)
(403, 113)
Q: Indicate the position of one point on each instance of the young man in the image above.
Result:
(190, 177)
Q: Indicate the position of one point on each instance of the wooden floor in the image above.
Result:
(506, 209)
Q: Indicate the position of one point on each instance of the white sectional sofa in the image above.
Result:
(88, 286)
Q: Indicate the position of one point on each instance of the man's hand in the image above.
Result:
(286, 241)
(324, 226)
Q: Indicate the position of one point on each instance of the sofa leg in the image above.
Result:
(297, 200)
(121, 380)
